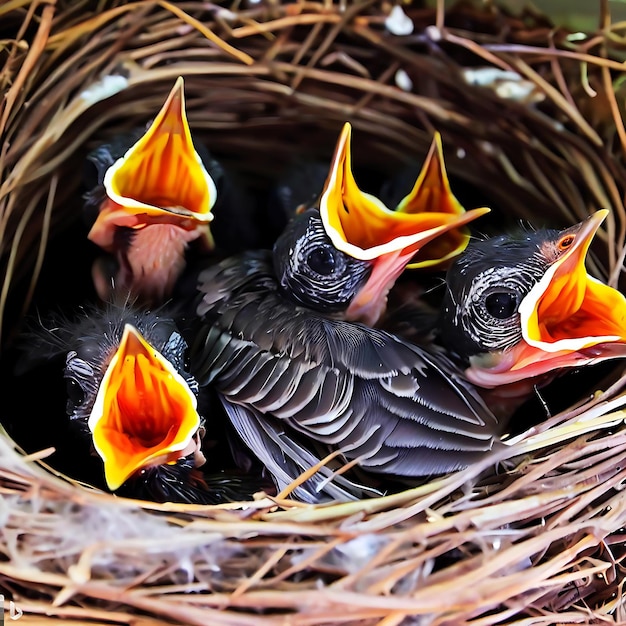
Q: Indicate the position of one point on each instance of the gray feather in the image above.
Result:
(393, 406)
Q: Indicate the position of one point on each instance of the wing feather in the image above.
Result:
(286, 457)
(394, 406)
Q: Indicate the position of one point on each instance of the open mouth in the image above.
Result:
(160, 180)
(425, 230)
(144, 414)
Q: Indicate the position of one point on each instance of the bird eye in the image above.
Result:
(501, 304)
(322, 261)
(566, 242)
(75, 393)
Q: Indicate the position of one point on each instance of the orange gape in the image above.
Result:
(144, 413)
(160, 183)
(568, 309)
(426, 229)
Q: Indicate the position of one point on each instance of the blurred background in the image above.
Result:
(577, 14)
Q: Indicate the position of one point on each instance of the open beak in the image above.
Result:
(360, 225)
(144, 413)
(160, 180)
(432, 194)
(568, 319)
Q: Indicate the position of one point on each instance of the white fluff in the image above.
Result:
(105, 88)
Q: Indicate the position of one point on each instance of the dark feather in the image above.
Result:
(287, 454)
(298, 188)
(184, 483)
(393, 406)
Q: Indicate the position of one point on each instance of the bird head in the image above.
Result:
(312, 271)
(426, 229)
(524, 307)
(128, 385)
(157, 198)
(160, 179)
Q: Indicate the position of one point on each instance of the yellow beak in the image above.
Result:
(360, 225)
(144, 413)
(431, 194)
(425, 228)
(160, 180)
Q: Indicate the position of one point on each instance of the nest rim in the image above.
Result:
(286, 539)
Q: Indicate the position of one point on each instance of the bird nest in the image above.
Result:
(530, 116)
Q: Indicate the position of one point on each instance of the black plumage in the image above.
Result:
(90, 343)
(393, 408)
(521, 308)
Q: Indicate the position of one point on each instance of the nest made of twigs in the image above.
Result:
(532, 537)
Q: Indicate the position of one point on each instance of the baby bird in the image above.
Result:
(272, 337)
(155, 195)
(425, 230)
(519, 309)
(131, 395)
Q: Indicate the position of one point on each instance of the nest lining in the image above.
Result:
(523, 539)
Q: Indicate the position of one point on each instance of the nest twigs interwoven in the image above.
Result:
(541, 538)
(534, 536)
